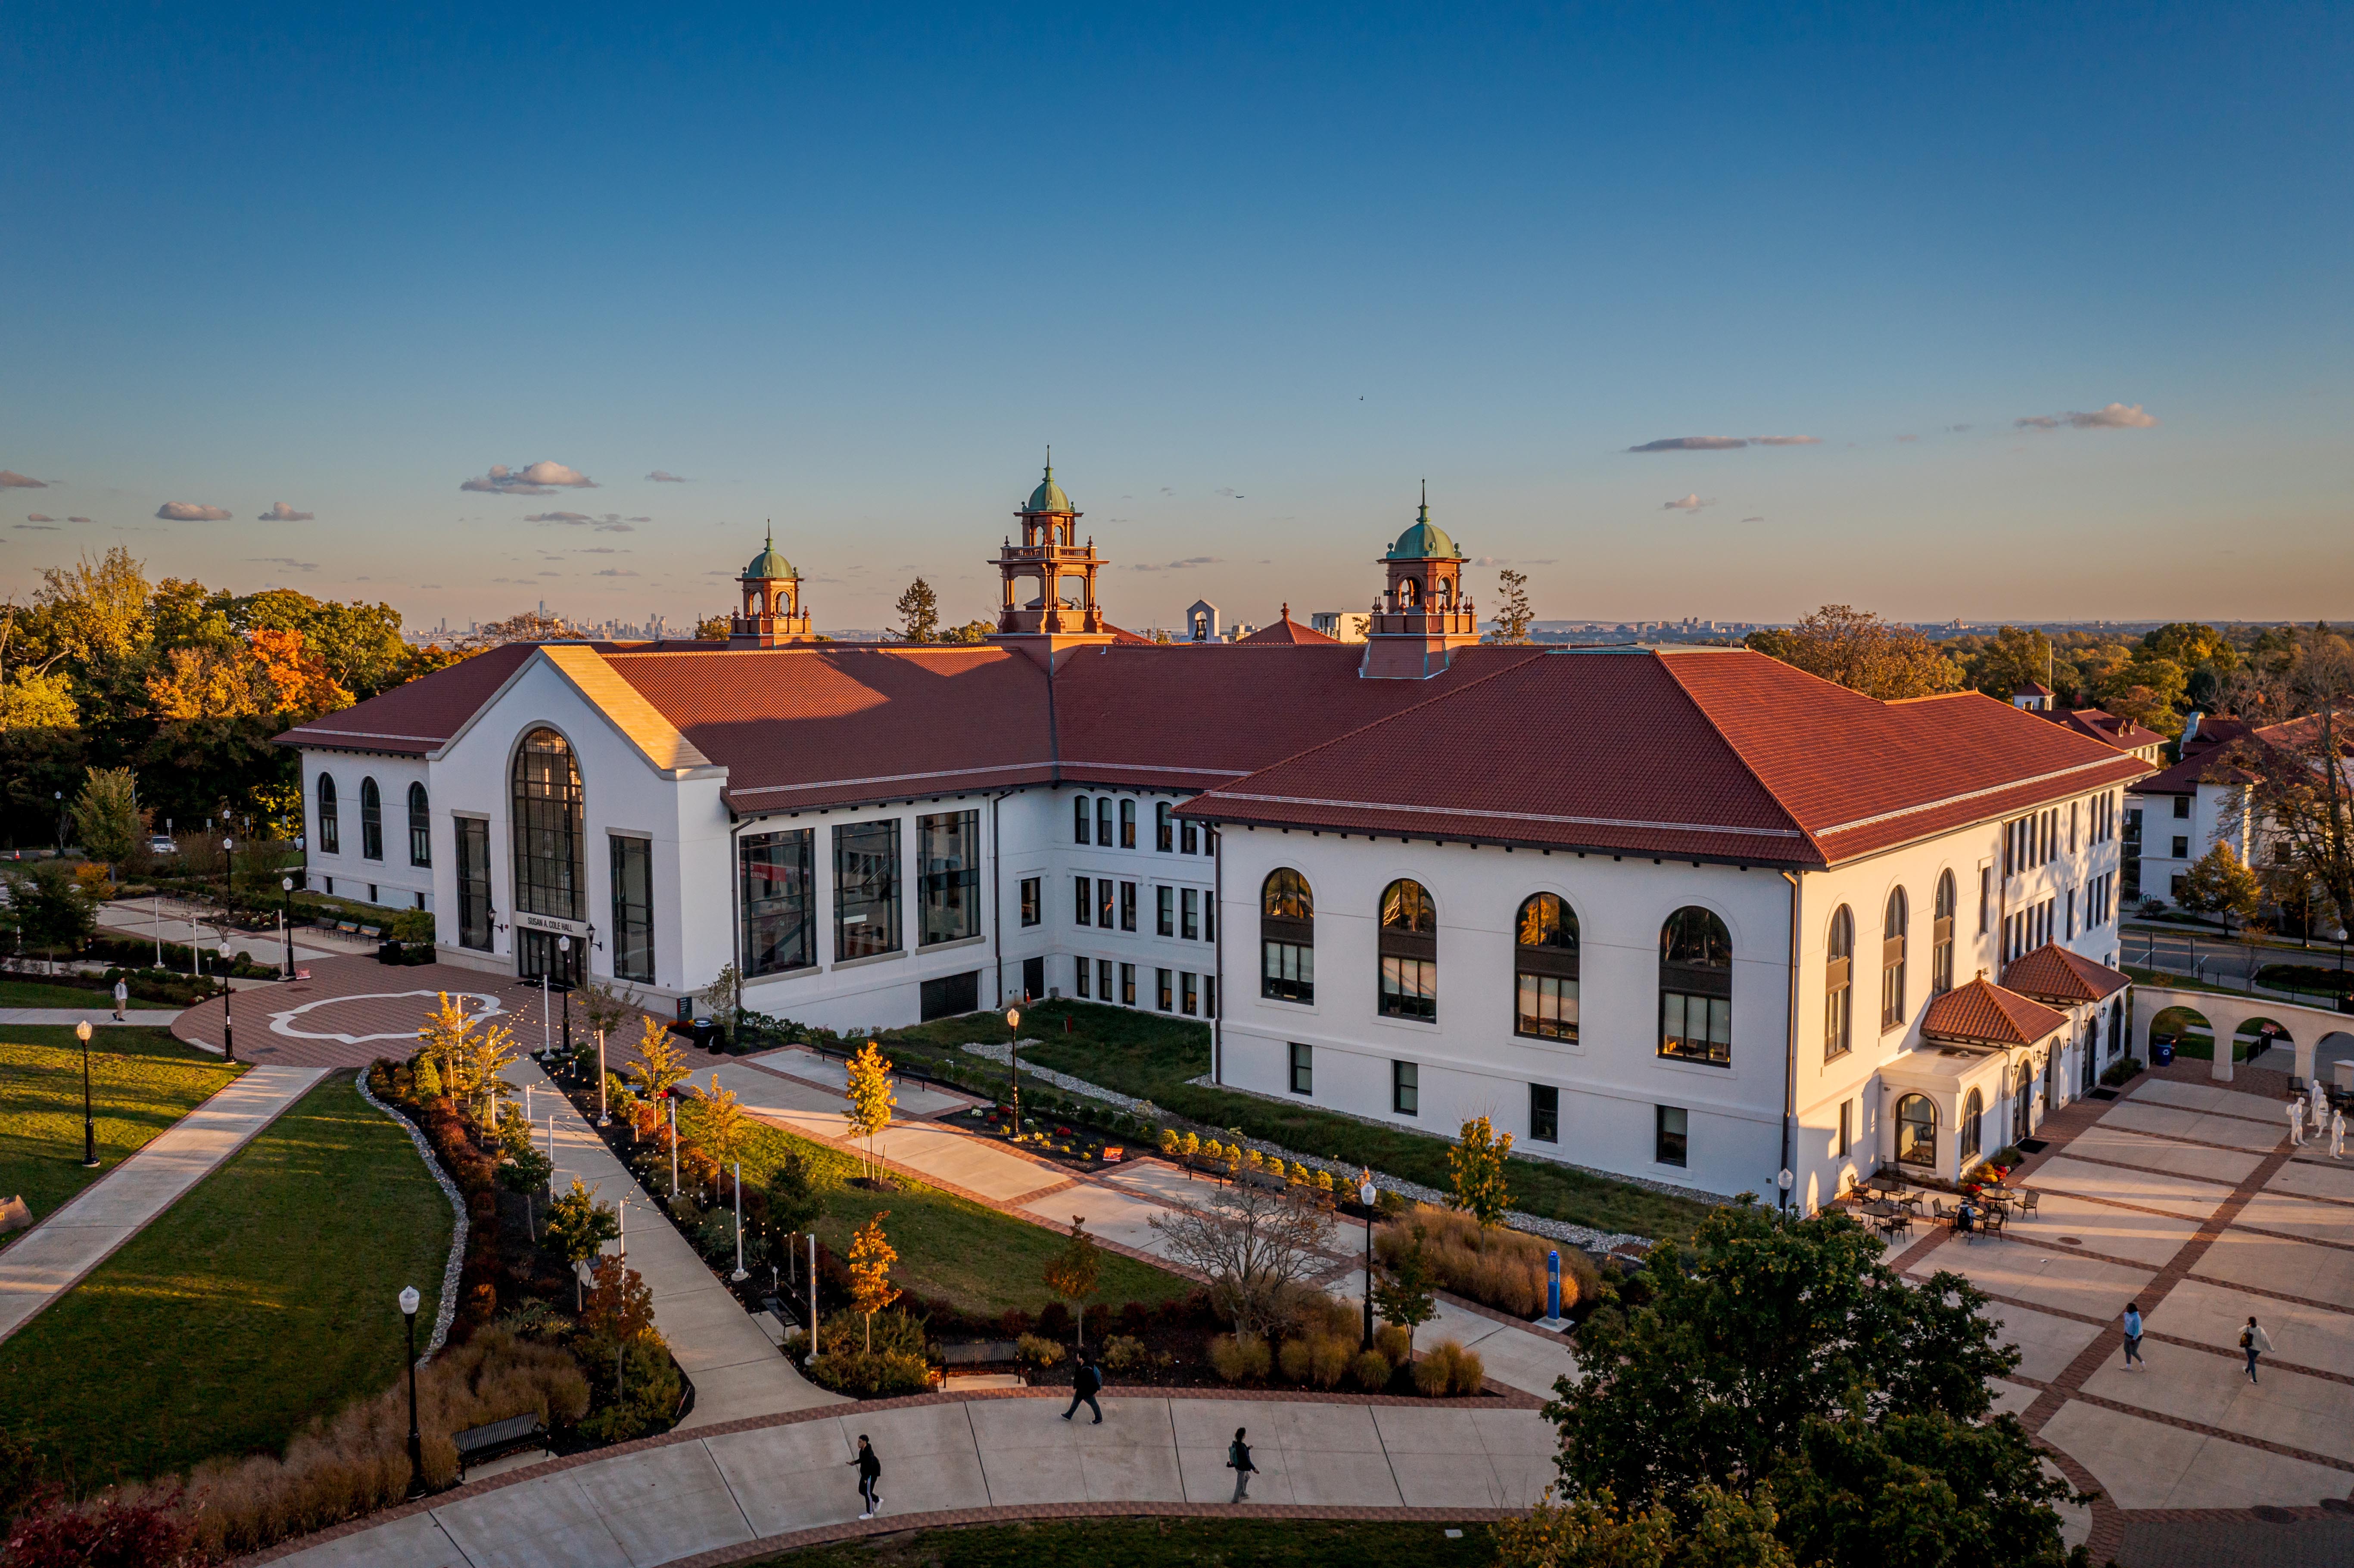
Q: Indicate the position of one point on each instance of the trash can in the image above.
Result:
(2161, 1053)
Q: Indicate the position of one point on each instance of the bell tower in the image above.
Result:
(1423, 616)
(1065, 613)
(772, 612)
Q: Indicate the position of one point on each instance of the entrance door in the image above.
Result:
(536, 954)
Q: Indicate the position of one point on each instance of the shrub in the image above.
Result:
(1038, 1352)
(1171, 1143)
(1371, 1369)
(649, 1393)
(1054, 1319)
(1394, 1342)
(878, 1374)
(1124, 1353)
(1240, 1358)
(2121, 1070)
(1329, 1356)
(116, 1530)
(1496, 1268)
(1297, 1358)
(1447, 1369)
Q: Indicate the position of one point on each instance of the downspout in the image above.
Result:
(1218, 960)
(997, 900)
(735, 826)
(1790, 1058)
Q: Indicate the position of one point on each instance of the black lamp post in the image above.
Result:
(564, 962)
(61, 823)
(228, 1024)
(287, 884)
(1366, 1195)
(408, 1299)
(89, 1126)
(229, 882)
(1013, 1065)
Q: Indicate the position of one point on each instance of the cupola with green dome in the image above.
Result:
(1049, 496)
(772, 610)
(768, 565)
(1423, 615)
(1425, 541)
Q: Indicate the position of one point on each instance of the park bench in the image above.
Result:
(980, 1353)
(482, 1444)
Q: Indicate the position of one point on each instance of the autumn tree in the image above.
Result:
(1513, 612)
(871, 1257)
(1590, 1531)
(919, 612)
(871, 1102)
(106, 817)
(1477, 1161)
(660, 1061)
(721, 1125)
(1071, 1273)
(1403, 1294)
(970, 631)
(1855, 649)
(2300, 803)
(714, 629)
(619, 1309)
(1253, 1244)
(2013, 658)
(2220, 882)
(578, 1224)
(470, 1053)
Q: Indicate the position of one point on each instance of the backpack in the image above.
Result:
(2247, 1338)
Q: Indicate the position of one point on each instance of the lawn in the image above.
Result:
(141, 1081)
(951, 1248)
(265, 1296)
(33, 993)
(1149, 1057)
(1159, 1544)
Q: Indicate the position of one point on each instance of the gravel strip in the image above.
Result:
(447, 1308)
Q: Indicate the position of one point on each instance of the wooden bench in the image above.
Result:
(983, 1353)
(513, 1435)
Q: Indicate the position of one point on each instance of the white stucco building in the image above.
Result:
(1688, 914)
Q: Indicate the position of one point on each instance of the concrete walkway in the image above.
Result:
(738, 1372)
(957, 1461)
(49, 1258)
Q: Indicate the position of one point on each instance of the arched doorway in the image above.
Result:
(2333, 1048)
(2259, 1035)
(2187, 1030)
(551, 880)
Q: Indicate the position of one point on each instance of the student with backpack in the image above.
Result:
(870, 1472)
(1085, 1381)
(2254, 1341)
(2133, 1336)
(1239, 1460)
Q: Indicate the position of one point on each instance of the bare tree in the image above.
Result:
(1254, 1244)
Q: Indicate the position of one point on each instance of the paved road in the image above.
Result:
(2216, 961)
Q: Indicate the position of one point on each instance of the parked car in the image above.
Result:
(161, 844)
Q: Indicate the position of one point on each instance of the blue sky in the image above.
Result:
(1254, 273)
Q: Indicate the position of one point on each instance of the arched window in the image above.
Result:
(1081, 815)
(1839, 986)
(1941, 939)
(1917, 1131)
(1287, 933)
(1696, 988)
(1409, 951)
(420, 827)
(1164, 828)
(1973, 1133)
(1544, 964)
(547, 829)
(330, 838)
(371, 821)
(1892, 962)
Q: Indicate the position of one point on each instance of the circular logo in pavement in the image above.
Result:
(370, 1012)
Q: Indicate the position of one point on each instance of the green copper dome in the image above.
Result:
(768, 564)
(1049, 496)
(1425, 541)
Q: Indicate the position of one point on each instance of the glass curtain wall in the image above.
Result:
(866, 889)
(780, 896)
(948, 860)
(633, 909)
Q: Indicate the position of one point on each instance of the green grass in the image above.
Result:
(1159, 1544)
(265, 1296)
(1145, 1055)
(141, 1081)
(33, 993)
(951, 1248)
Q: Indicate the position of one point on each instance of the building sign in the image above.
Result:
(551, 922)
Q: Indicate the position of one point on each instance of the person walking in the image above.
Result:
(2297, 1122)
(121, 999)
(2254, 1341)
(870, 1472)
(2337, 1135)
(1085, 1382)
(1239, 1460)
(2133, 1336)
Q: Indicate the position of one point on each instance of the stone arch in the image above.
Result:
(2258, 1034)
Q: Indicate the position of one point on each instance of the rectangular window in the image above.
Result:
(779, 898)
(1405, 1089)
(1164, 827)
(1670, 1140)
(1547, 1008)
(1289, 972)
(1303, 1069)
(1847, 1129)
(1163, 997)
(1696, 1028)
(1128, 824)
(1106, 895)
(1128, 985)
(1082, 971)
(2181, 848)
(633, 909)
(1031, 898)
(947, 863)
(1409, 988)
(1079, 819)
(1189, 927)
(1103, 979)
(1189, 998)
(1190, 839)
(1083, 900)
(1985, 902)
(1103, 821)
(866, 889)
(2183, 805)
(420, 827)
(1209, 996)
(1164, 901)
(2071, 915)
(1209, 917)
(473, 884)
(1128, 906)
(1545, 1114)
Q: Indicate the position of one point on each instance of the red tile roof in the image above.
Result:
(2052, 973)
(2102, 725)
(1984, 1012)
(2185, 777)
(1286, 629)
(414, 720)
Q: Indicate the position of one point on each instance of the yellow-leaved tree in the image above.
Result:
(468, 1056)
(1478, 1162)
(870, 1098)
(660, 1061)
(871, 1257)
(719, 1120)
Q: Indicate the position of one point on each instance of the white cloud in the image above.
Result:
(1691, 444)
(1787, 441)
(660, 477)
(533, 479)
(1687, 504)
(574, 517)
(280, 513)
(2115, 417)
(11, 480)
(38, 517)
(190, 512)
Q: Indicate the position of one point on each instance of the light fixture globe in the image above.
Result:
(1013, 1018)
(286, 883)
(408, 1301)
(82, 1031)
(1366, 1195)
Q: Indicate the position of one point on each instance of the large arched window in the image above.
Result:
(420, 827)
(1917, 1131)
(1409, 951)
(1891, 961)
(1696, 988)
(1839, 986)
(1973, 1127)
(330, 834)
(1941, 939)
(547, 829)
(371, 821)
(1287, 933)
(1544, 964)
